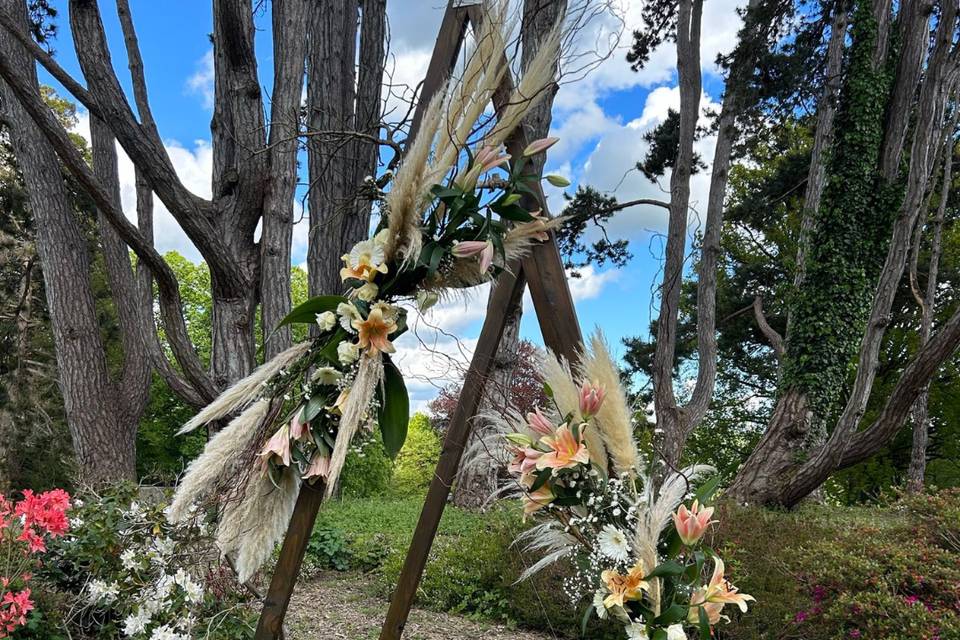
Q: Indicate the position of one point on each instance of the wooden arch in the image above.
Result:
(542, 270)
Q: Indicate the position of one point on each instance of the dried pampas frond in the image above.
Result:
(251, 527)
(615, 417)
(546, 538)
(245, 391)
(219, 460)
(534, 85)
(369, 375)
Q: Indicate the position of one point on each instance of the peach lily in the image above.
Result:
(716, 594)
(536, 500)
(319, 467)
(692, 523)
(374, 332)
(299, 429)
(624, 587)
(279, 445)
(490, 158)
(565, 451)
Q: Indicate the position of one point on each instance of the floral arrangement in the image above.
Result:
(452, 218)
(638, 547)
(26, 526)
(123, 571)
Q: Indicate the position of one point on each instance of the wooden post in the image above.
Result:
(287, 570)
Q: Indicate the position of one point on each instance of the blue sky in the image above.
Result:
(600, 119)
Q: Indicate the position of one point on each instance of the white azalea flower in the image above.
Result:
(347, 352)
(637, 631)
(326, 320)
(129, 560)
(136, 622)
(613, 543)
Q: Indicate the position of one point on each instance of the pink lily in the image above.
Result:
(537, 146)
(279, 445)
(483, 248)
(299, 430)
(524, 461)
(591, 397)
(692, 523)
(566, 451)
(716, 594)
(319, 467)
(490, 157)
(539, 423)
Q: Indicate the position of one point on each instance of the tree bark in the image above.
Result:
(289, 54)
(920, 412)
(103, 440)
(335, 223)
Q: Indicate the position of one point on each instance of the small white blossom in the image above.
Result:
(136, 622)
(129, 559)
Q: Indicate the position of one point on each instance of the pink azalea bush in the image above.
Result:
(26, 527)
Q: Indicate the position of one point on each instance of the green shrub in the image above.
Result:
(826, 573)
(367, 470)
(418, 458)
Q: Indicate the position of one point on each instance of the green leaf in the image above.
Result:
(668, 568)
(542, 476)
(585, 621)
(659, 634)
(314, 406)
(705, 491)
(703, 623)
(514, 212)
(674, 613)
(306, 313)
(394, 414)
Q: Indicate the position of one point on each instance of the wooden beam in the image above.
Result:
(287, 570)
(507, 289)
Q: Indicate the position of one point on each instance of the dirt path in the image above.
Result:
(339, 606)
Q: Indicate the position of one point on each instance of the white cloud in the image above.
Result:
(193, 164)
(608, 167)
(201, 82)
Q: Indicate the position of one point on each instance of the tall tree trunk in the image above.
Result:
(670, 417)
(475, 483)
(103, 440)
(289, 54)
(239, 186)
(920, 412)
(761, 479)
(335, 223)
